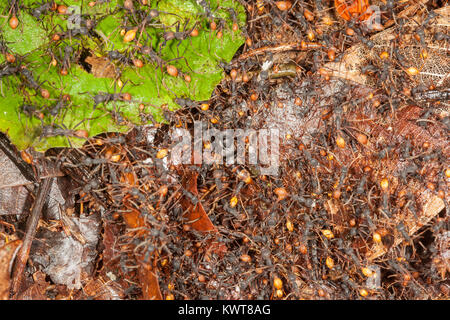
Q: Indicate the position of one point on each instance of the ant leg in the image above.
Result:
(114, 112)
(70, 144)
(156, 81)
(148, 60)
(76, 126)
(184, 31)
(182, 57)
(93, 98)
(123, 86)
(54, 29)
(177, 25)
(141, 31)
(20, 120)
(185, 25)
(177, 30)
(163, 44)
(158, 65)
(61, 113)
(165, 86)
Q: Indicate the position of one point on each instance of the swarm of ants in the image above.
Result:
(359, 207)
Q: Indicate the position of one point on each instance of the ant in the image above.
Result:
(104, 97)
(362, 185)
(153, 14)
(116, 55)
(67, 58)
(3, 46)
(153, 57)
(29, 78)
(439, 36)
(206, 8)
(28, 75)
(177, 35)
(54, 131)
(6, 71)
(150, 55)
(411, 204)
(14, 8)
(129, 6)
(440, 95)
(59, 105)
(402, 229)
(30, 111)
(185, 102)
(233, 15)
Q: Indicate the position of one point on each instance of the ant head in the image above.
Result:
(153, 13)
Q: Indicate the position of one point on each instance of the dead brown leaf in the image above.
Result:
(196, 213)
(37, 290)
(101, 67)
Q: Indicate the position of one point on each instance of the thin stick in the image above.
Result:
(32, 223)
(276, 49)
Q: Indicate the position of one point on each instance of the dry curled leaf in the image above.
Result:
(101, 67)
(7, 254)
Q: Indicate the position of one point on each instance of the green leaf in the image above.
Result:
(27, 37)
(151, 88)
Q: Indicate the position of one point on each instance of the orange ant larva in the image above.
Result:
(13, 22)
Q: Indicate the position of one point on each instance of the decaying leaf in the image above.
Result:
(101, 67)
(196, 215)
(146, 270)
(405, 126)
(64, 257)
(132, 217)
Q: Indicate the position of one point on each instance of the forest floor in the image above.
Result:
(356, 208)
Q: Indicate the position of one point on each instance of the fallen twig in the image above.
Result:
(32, 223)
